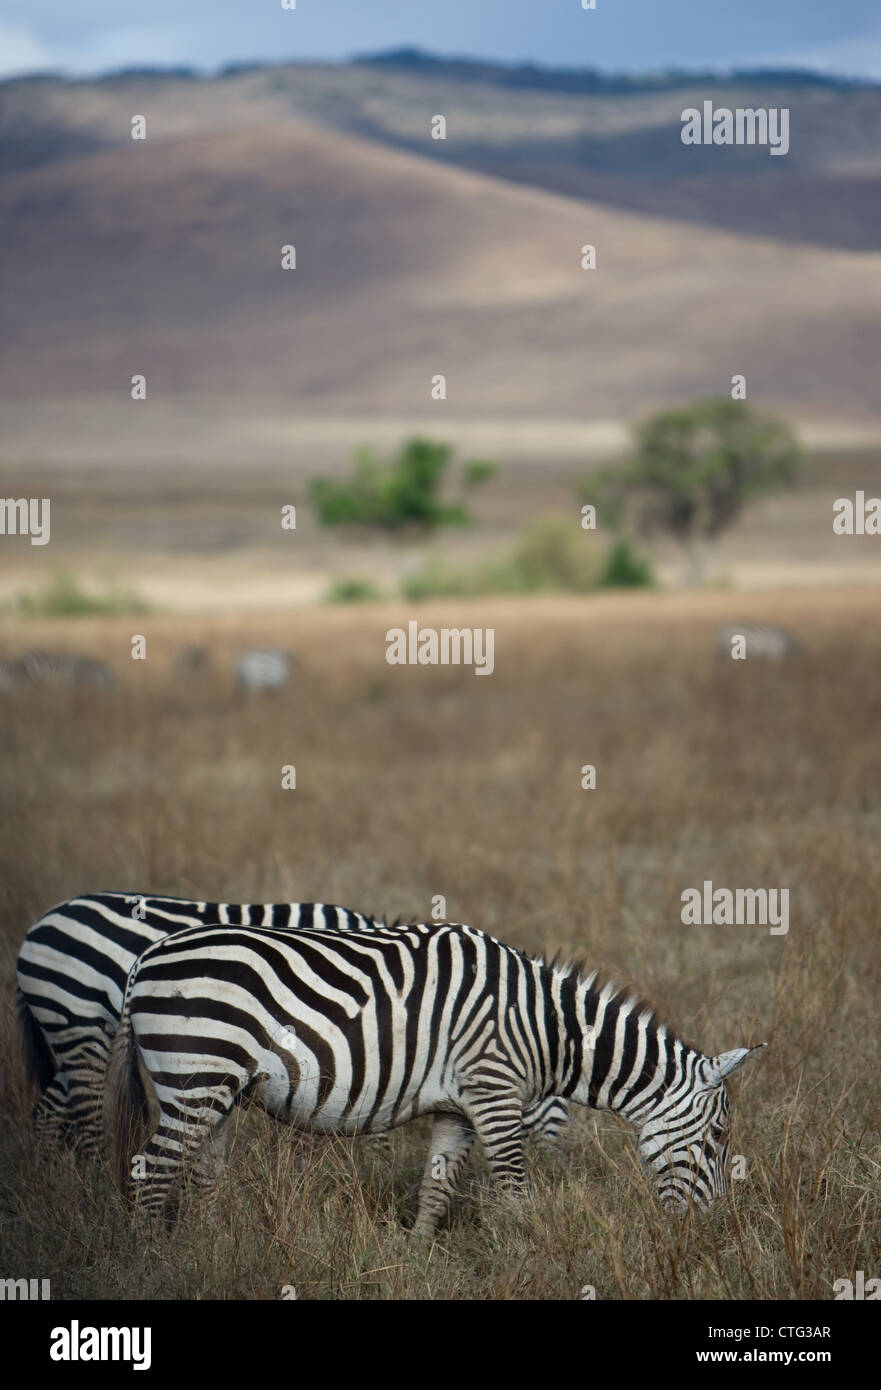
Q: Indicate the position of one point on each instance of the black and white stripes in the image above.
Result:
(36, 668)
(359, 1033)
(72, 970)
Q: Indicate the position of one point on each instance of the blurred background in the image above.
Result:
(417, 257)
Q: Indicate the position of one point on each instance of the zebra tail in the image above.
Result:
(125, 1100)
(38, 1057)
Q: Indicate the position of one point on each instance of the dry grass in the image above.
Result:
(416, 782)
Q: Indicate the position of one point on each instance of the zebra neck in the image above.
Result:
(614, 1056)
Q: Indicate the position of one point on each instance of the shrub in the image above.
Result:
(555, 554)
(62, 597)
(347, 589)
(552, 556)
(402, 492)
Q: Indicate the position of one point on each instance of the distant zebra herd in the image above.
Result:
(338, 1023)
(266, 670)
(256, 671)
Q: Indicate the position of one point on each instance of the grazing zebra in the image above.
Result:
(72, 970)
(192, 661)
(260, 671)
(769, 643)
(54, 668)
(359, 1033)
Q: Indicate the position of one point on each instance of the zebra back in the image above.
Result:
(72, 971)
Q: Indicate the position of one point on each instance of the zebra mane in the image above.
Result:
(576, 969)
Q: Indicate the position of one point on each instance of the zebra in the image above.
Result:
(359, 1033)
(54, 668)
(192, 661)
(72, 971)
(769, 643)
(260, 671)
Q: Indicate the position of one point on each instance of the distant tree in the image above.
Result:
(405, 491)
(624, 569)
(694, 470)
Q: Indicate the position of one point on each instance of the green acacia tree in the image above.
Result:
(402, 492)
(694, 470)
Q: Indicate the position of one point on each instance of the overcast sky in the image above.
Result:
(90, 36)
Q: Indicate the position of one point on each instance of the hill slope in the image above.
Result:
(164, 258)
(612, 141)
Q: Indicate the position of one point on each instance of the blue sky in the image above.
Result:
(89, 36)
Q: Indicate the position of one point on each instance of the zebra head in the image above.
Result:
(684, 1141)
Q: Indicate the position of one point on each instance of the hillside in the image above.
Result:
(163, 258)
(612, 140)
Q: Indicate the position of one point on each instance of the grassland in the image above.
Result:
(415, 782)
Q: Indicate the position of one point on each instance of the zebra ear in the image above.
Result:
(727, 1062)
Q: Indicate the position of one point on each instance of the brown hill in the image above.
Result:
(164, 258)
(616, 142)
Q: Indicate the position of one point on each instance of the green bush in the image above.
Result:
(351, 590)
(437, 580)
(402, 492)
(478, 471)
(553, 556)
(62, 597)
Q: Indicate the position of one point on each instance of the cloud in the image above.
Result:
(857, 56)
(133, 47)
(22, 51)
(96, 50)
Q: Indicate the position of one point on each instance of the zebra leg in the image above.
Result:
(210, 1161)
(86, 1069)
(51, 1115)
(190, 1138)
(451, 1140)
(497, 1117)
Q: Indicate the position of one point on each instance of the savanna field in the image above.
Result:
(416, 782)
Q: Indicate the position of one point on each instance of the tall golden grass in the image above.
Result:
(413, 782)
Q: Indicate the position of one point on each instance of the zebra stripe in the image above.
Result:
(72, 970)
(261, 671)
(357, 1034)
(54, 668)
